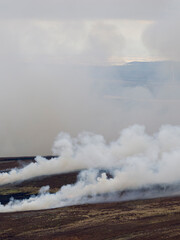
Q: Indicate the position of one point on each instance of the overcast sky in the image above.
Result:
(110, 31)
(41, 93)
(88, 9)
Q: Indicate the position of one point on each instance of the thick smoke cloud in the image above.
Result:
(133, 149)
(47, 87)
(90, 189)
(136, 160)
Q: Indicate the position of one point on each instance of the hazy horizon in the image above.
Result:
(67, 66)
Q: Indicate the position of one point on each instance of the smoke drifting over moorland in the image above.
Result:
(134, 161)
(50, 83)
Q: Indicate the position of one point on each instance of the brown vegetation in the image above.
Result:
(141, 219)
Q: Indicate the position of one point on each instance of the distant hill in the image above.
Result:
(149, 74)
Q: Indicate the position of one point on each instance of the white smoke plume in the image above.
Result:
(91, 151)
(93, 188)
(46, 88)
(135, 160)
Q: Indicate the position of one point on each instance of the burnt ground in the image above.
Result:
(139, 219)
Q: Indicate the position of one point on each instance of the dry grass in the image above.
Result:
(132, 220)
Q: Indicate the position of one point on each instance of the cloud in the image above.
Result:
(80, 9)
(103, 42)
(60, 42)
(43, 93)
(162, 37)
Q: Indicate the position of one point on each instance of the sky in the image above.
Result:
(45, 47)
(60, 31)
